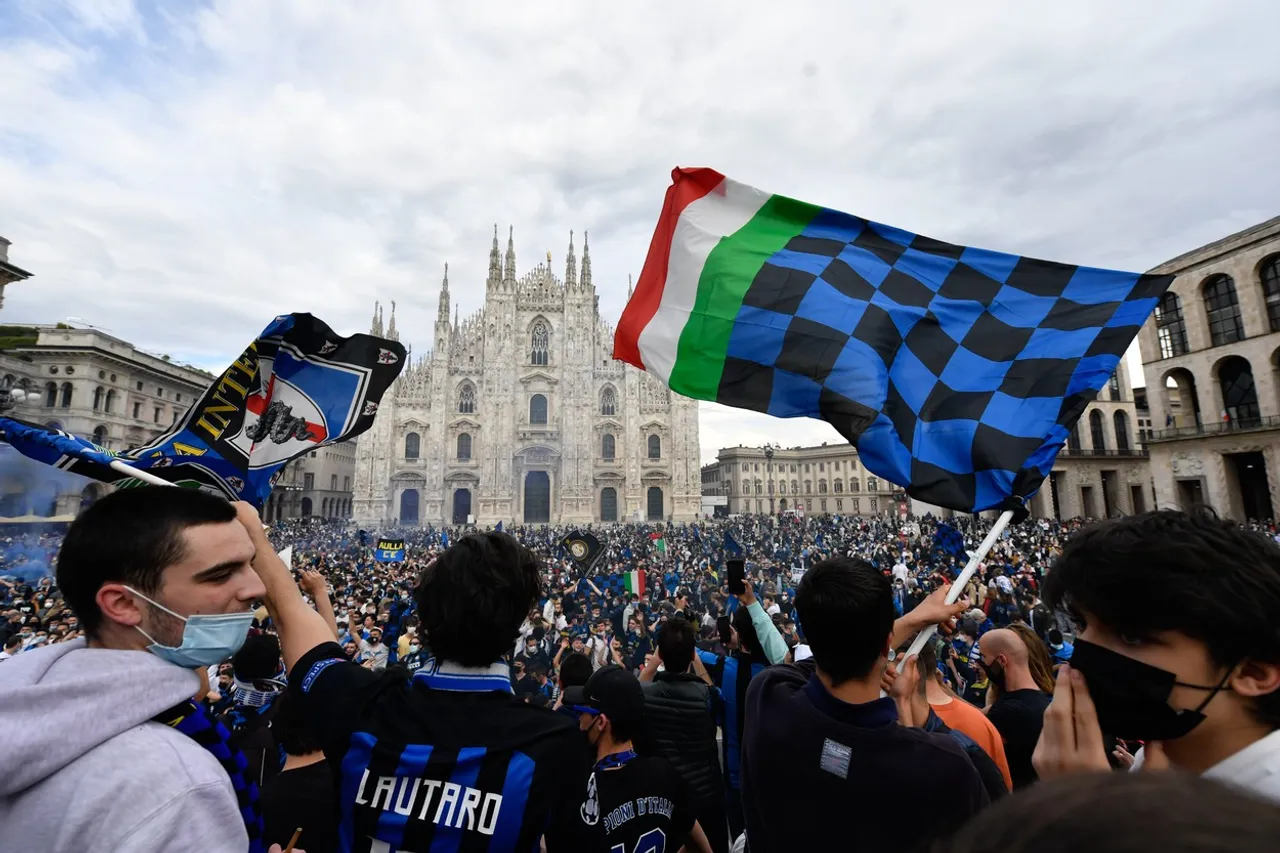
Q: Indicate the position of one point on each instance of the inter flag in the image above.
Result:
(958, 372)
(582, 546)
(389, 551)
(297, 387)
(949, 541)
(634, 581)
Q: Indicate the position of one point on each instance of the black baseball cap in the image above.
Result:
(612, 691)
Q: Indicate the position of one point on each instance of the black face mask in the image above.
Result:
(995, 672)
(1132, 698)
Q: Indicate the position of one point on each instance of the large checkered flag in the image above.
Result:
(957, 372)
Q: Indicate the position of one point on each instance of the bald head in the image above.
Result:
(1002, 641)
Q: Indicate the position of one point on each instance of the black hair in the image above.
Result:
(13, 642)
(1168, 570)
(130, 536)
(1055, 636)
(748, 640)
(575, 669)
(676, 644)
(291, 728)
(258, 658)
(474, 597)
(625, 728)
(1121, 813)
(846, 607)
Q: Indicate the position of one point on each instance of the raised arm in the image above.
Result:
(771, 642)
(314, 583)
(301, 628)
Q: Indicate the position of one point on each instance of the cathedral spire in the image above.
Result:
(586, 263)
(391, 328)
(375, 328)
(442, 311)
(495, 260)
(570, 267)
(630, 288)
(509, 272)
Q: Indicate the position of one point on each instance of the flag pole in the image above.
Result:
(957, 588)
(144, 476)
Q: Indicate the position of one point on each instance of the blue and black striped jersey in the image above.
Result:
(445, 761)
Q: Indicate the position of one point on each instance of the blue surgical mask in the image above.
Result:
(206, 638)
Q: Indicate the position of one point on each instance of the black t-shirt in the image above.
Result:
(305, 797)
(1019, 715)
(449, 758)
(642, 805)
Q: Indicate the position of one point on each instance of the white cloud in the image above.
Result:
(180, 175)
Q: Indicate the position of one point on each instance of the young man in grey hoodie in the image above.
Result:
(161, 579)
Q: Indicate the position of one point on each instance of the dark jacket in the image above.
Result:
(680, 717)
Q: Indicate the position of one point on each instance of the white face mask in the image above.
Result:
(206, 638)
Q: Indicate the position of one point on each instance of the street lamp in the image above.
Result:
(768, 457)
(15, 392)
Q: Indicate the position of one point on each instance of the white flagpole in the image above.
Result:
(957, 588)
(144, 476)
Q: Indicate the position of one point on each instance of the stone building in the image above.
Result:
(520, 414)
(1211, 353)
(823, 480)
(9, 273)
(1102, 470)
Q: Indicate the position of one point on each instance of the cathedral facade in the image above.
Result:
(520, 414)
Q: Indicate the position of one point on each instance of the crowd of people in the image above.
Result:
(493, 691)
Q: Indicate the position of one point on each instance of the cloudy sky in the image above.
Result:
(179, 172)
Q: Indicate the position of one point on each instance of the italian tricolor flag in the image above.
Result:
(659, 542)
(634, 582)
(714, 236)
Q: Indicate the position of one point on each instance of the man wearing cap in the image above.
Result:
(636, 801)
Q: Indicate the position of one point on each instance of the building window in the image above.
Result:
(1121, 422)
(822, 487)
(464, 447)
(98, 394)
(793, 469)
(1239, 396)
(156, 416)
(1096, 432)
(839, 504)
(759, 488)
(1113, 386)
(139, 386)
(412, 445)
(655, 447)
(873, 506)
(1073, 438)
(806, 467)
(174, 418)
(537, 409)
(608, 402)
(795, 487)
(467, 399)
(808, 487)
(608, 447)
(333, 482)
(808, 506)
(137, 410)
(308, 481)
(872, 486)
(853, 484)
(855, 505)
(1171, 329)
(838, 485)
(346, 484)
(100, 436)
(541, 343)
(1223, 310)
(51, 394)
(822, 466)
(1270, 273)
(822, 504)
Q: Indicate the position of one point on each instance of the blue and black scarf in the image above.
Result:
(194, 721)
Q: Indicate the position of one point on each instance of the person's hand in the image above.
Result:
(1124, 756)
(1071, 740)
(903, 688)
(276, 848)
(312, 583)
(934, 610)
(564, 643)
(748, 596)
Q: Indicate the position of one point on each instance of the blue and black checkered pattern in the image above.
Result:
(957, 372)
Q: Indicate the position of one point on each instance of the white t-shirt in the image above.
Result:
(1256, 768)
(900, 572)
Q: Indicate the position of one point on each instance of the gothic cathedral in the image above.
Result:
(519, 414)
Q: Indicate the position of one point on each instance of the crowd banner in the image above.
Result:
(957, 372)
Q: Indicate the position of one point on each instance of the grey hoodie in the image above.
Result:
(82, 767)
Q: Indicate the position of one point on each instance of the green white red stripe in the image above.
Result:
(635, 582)
(713, 236)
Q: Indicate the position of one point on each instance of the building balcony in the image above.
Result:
(1240, 425)
(1124, 453)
